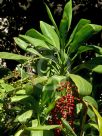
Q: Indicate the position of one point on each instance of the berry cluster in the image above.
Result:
(64, 107)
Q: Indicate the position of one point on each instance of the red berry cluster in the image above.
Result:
(64, 107)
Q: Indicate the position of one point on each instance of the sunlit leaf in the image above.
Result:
(12, 56)
(18, 98)
(49, 32)
(84, 87)
(19, 132)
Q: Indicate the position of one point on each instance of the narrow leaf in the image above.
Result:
(69, 130)
(52, 19)
(66, 20)
(19, 132)
(18, 98)
(84, 87)
(12, 56)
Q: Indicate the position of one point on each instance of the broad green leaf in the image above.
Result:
(39, 79)
(45, 127)
(49, 32)
(91, 114)
(7, 87)
(84, 87)
(25, 46)
(81, 23)
(19, 132)
(66, 20)
(21, 92)
(50, 87)
(99, 119)
(51, 18)
(37, 43)
(18, 98)
(68, 130)
(36, 133)
(25, 116)
(91, 100)
(12, 56)
(82, 35)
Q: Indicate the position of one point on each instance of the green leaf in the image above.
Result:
(91, 100)
(99, 119)
(94, 125)
(18, 98)
(82, 35)
(68, 129)
(39, 79)
(52, 19)
(78, 107)
(25, 116)
(84, 87)
(50, 87)
(66, 20)
(81, 24)
(91, 114)
(82, 49)
(37, 43)
(19, 132)
(45, 127)
(12, 56)
(49, 32)
(7, 87)
(25, 46)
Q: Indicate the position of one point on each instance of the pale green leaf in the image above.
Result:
(84, 87)
(25, 116)
(19, 132)
(12, 56)
(19, 98)
(25, 46)
(7, 87)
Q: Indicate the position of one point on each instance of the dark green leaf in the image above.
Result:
(66, 20)
(82, 35)
(84, 87)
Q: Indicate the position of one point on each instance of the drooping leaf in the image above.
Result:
(52, 19)
(45, 127)
(99, 119)
(81, 23)
(7, 87)
(25, 116)
(25, 46)
(49, 32)
(12, 56)
(68, 129)
(66, 20)
(82, 49)
(37, 43)
(91, 100)
(19, 132)
(18, 98)
(82, 35)
(78, 107)
(84, 87)
(94, 125)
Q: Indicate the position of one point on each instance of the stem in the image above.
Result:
(84, 114)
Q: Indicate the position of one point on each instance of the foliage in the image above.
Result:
(56, 58)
